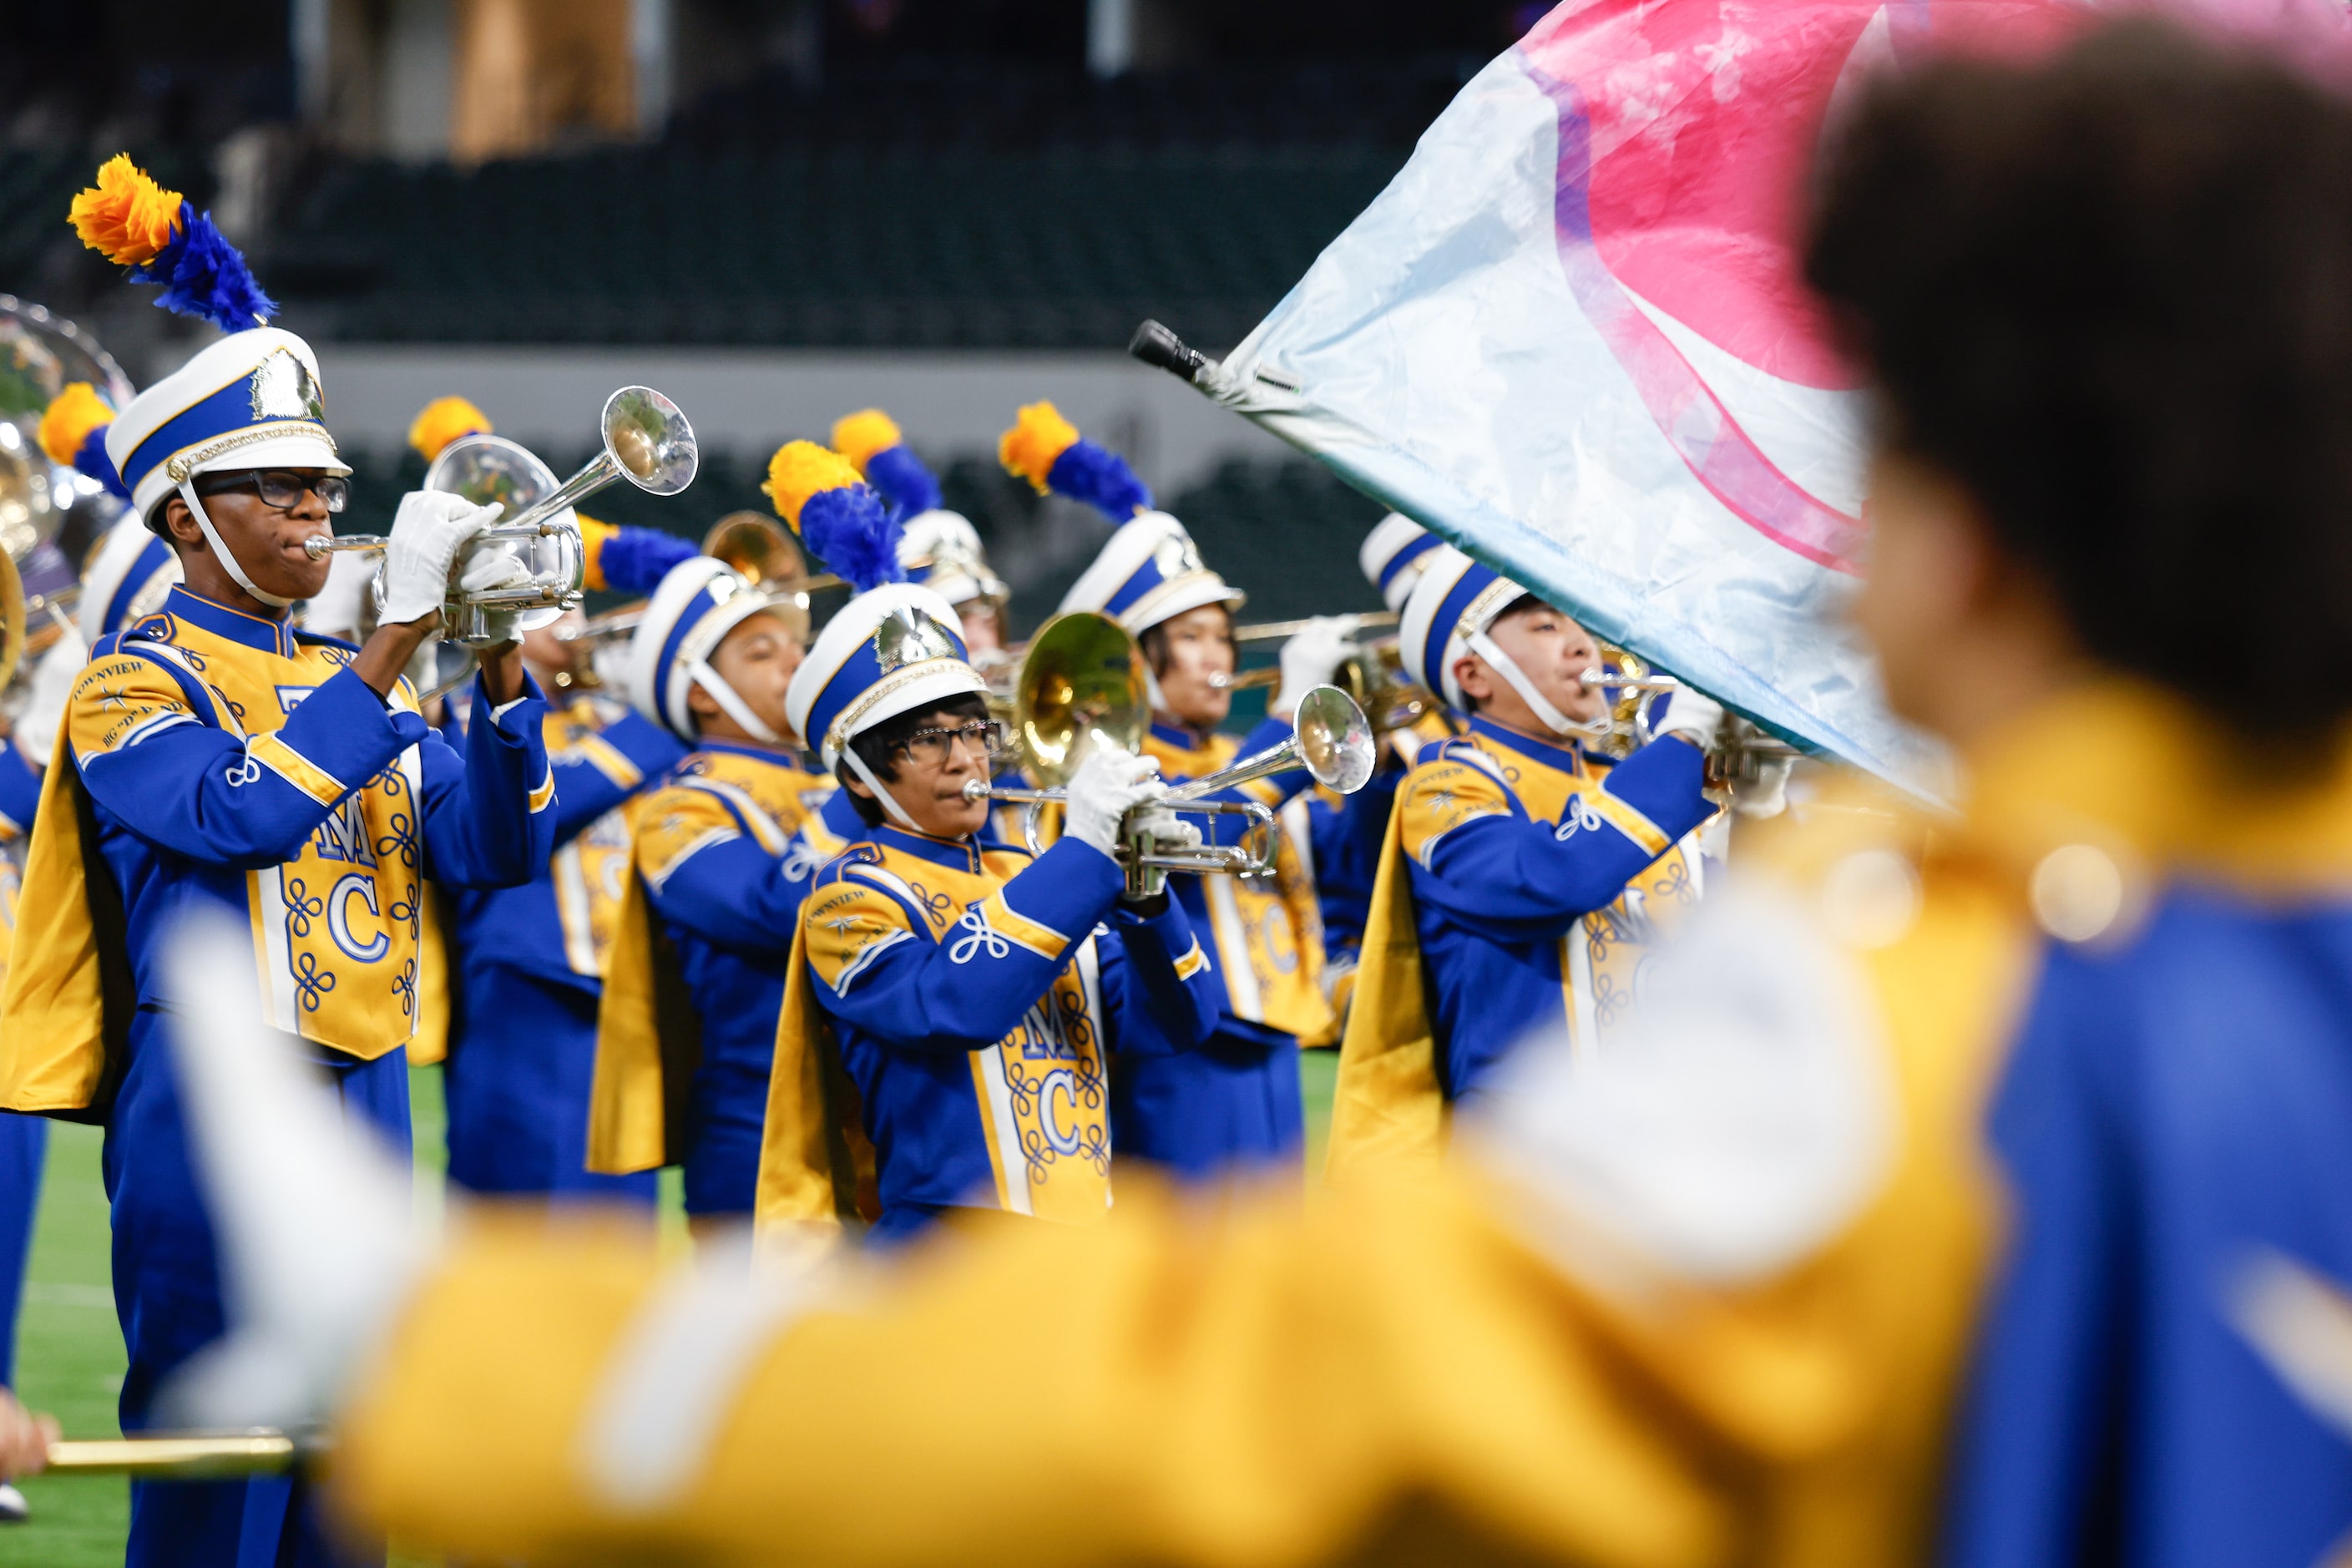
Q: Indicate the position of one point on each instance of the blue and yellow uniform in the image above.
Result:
(1522, 884)
(723, 854)
(975, 998)
(1978, 1204)
(24, 1140)
(213, 760)
(530, 966)
(1236, 1095)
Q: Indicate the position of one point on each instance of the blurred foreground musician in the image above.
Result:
(1972, 1196)
(211, 758)
(724, 850)
(1524, 880)
(1236, 1098)
(955, 1004)
(530, 960)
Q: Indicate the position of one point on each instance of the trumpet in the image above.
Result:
(1081, 689)
(1281, 631)
(646, 441)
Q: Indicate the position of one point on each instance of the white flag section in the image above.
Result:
(1569, 337)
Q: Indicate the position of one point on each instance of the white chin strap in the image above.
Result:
(1552, 719)
(865, 775)
(734, 705)
(227, 556)
(1151, 694)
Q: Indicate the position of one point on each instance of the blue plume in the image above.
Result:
(92, 461)
(903, 481)
(856, 538)
(635, 560)
(205, 277)
(1100, 478)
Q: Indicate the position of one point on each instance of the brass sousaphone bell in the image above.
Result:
(1081, 689)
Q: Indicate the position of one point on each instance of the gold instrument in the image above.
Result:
(1742, 751)
(1373, 675)
(646, 441)
(1081, 689)
(184, 1455)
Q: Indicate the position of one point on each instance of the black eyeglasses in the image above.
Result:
(282, 488)
(930, 747)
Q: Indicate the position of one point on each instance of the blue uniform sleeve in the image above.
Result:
(733, 892)
(1161, 991)
(602, 771)
(880, 967)
(20, 791)
(145, 736)
(1477, 856)
(489, 819)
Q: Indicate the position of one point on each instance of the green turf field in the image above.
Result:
(69, 1352)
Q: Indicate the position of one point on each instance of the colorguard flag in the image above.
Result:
(1571, 336)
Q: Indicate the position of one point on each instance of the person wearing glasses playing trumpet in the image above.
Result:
(1236, 1098)
(1523, 879)
(212, 757)
(954, 1004)
(723, 854)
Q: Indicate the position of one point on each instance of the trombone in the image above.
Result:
(1081, 687)
(185, 1456)
(646, 441)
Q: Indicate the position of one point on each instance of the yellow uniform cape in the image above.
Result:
(816, 1168)
(648, 1043)
(1387, 1104)
(65, 1025)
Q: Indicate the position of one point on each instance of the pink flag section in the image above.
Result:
(1571, 336)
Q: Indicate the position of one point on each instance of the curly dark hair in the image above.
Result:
(2109, 292)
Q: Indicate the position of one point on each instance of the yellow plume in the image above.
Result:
(595, 534)
(857, 437)
(127, 218)
(801, 470)
(1030, 447)
(442, 421)
(71, 415)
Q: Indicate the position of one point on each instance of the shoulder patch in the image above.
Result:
(846, 925)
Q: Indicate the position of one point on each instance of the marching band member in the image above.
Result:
(1235, 1097)
(529, 959)
(212, 757)
(125, 579)
(1344, 832)
(720, 863)
(939, 549)
(1971, 1197)
(1523, 880)
(971, 996)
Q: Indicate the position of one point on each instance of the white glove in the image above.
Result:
(1167, 830)
(1309, 658)
(496, 566)
(426, 534)
(52, 684)
(1694, 716)
(1108, 784)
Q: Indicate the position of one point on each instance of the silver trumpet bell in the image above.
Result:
(646, 441)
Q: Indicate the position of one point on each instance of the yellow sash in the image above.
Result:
(65, 1024)
(1387, 1105)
